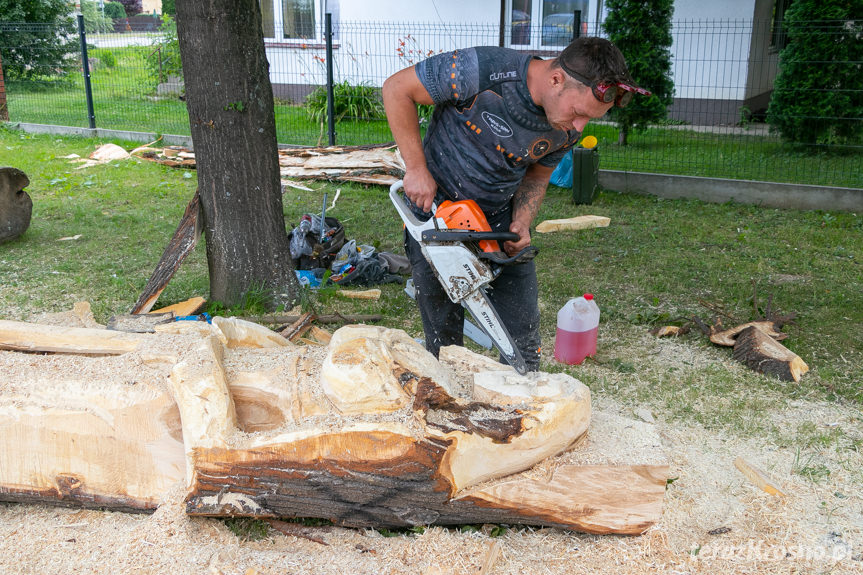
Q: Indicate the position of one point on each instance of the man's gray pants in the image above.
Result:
(514, 295)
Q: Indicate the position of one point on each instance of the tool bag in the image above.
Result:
(314, 253)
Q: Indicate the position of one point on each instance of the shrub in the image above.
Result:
(164, 60)
(56, 42)
(132, 7)
(818, 93)
(349, 100)
(107, 58)
(169, 7)
(642, 32)
(94, 21)
(114, 10)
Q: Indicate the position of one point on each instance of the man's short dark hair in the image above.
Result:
(594, 58)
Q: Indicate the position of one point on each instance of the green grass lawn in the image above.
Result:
(124, 98)
(658, 261)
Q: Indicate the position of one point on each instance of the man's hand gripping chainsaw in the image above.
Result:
(465, 255)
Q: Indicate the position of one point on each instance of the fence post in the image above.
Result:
(576, 24)
(85, 66)
(4, 109)
(331, 111)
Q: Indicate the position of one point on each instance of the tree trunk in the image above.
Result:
(230, 104)
(622, 135)
(4, 108)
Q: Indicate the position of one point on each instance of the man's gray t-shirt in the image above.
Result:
(485, 130)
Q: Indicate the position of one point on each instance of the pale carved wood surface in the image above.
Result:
(369, 431)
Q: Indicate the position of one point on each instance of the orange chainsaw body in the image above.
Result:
(466, 215)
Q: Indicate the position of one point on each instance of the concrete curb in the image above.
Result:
(717, 190)
(167, 139)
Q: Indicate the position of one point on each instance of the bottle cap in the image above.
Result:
(588, 296)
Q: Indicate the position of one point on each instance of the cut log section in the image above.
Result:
(22, 336)
(571, 224)
(728, 337)
(374, 164)
(763, 354)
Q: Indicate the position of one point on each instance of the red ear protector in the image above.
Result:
(619, 93)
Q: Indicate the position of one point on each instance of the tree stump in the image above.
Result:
(16, 207)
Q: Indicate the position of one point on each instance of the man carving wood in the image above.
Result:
(502, 121)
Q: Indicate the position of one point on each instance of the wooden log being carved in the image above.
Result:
(375, 432)
(370, 430)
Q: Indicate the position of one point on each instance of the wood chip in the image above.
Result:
(360, 294)
(294, 530)
(757, 477)
(491, 557)
(571, 224)
(189, 307)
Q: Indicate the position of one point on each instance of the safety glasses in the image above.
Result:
(619, 93)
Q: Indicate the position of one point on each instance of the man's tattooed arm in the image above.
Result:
(525, 205)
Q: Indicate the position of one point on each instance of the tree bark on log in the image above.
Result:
(763, 354)
(182, 243)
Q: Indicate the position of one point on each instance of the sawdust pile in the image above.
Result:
(765, 534)
(714, 521)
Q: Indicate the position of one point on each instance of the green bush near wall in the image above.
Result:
(818, 94)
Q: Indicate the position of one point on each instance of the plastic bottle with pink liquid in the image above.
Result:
(577, 327)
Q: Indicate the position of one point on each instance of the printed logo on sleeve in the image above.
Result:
(497, 125)
(540, 147)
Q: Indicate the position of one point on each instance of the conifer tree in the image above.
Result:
(642, 32)
(818, 94)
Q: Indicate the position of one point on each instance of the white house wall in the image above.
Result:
(465, 11)
(376, 38)
(711, 62)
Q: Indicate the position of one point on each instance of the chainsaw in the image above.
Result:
(466, 257)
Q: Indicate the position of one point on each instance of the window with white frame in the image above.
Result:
(296, 20)
(544, 24)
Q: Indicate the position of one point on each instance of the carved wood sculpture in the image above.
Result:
(392, 437)
(16, 207)
(368, 431)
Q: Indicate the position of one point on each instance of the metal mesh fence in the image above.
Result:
(724, 73)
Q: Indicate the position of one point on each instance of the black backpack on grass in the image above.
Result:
(321, 254)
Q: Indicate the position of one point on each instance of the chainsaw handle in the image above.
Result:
(413, 225)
